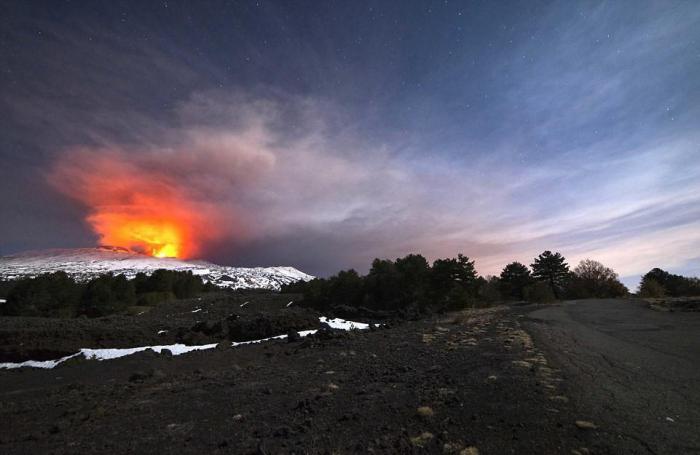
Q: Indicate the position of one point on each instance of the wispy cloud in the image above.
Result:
(579, 136)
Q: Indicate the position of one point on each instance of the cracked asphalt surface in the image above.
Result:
(635, 371)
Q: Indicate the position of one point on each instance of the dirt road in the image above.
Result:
(635, 371)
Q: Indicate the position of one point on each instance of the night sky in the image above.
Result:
(324, 134)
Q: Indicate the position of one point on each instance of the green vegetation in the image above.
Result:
(59, 295)
(539, 292)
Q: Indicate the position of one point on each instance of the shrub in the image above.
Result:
(154, 298)
(490, 289)
(458, 298)
(651, 288)
(5, 288)
(539, 292)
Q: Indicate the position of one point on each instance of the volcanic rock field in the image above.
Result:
(465, 383)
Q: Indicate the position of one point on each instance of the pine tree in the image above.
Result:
(514, 279)
(454, 282)
(552, 269)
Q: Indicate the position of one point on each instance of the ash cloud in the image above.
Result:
(566, 130)
(280, 180)
(237, 180)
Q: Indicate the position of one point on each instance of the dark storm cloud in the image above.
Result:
(494, 130)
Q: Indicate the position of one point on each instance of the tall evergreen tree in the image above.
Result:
(454, 282)
(383, 285)
(514, 279)
(345, 288)
(552, 269)
(414, 271)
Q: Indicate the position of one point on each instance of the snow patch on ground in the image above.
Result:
(36, 363)
(175, 349)
(302, 334)
(342, 324)
(107, 354)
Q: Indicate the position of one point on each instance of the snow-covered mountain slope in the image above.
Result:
(86, 263)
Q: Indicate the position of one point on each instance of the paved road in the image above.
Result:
(635, 371)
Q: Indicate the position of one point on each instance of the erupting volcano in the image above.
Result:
(139, 206)
(161, 239)
(157, 237)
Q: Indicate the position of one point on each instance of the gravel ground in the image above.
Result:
(464, 383)
(238, 316)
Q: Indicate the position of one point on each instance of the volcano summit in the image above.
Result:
(86, 263)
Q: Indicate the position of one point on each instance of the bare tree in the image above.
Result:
(593, 279)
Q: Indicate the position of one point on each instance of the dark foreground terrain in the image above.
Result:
(593, 381)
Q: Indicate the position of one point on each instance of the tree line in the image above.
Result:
(59, 295)
(451, 284)
(659, 283)
(405, 283)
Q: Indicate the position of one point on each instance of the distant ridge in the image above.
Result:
(86, 263)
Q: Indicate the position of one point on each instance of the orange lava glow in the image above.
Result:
(158, 237)
(131, 205)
